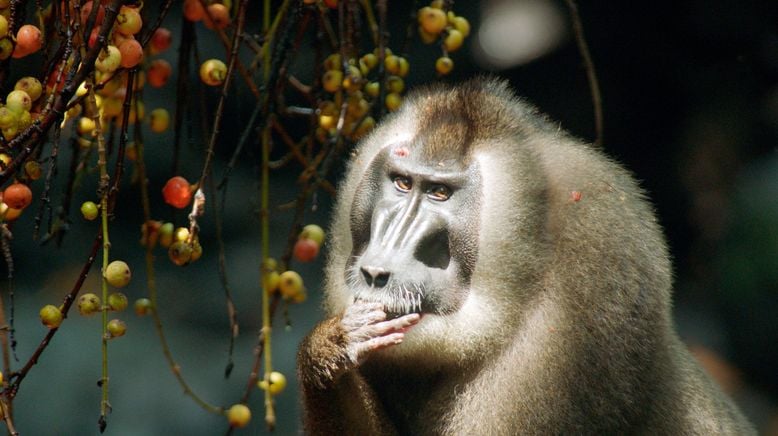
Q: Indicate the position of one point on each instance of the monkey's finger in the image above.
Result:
(395, 325)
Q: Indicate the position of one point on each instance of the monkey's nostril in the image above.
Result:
(375, 276)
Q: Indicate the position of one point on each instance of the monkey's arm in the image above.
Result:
(331, 388)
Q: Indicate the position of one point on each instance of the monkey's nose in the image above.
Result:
(375, 276)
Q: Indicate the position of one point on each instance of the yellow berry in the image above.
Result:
(159, 119)
(392, 64)
(432, 20)
(51, 316)
(370, 60)
(332, 80)
(393, 101)
(117, 301)
(88, 304)
(213, 72)
(277, 383)
(116, 328)
(118, 274)
(180, 253)
(444, 65)
(332, 62)
(404, 67)
(271, 281)
(453, 40)
(462, 25)
(290, 283)
(395, 84)
(239, 415)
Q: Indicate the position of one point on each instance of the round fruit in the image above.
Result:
(314, 232)
(177, 192)
(30, 85)
(118, 274)
(290, 283)
(332, 80)
(271, 281)
(181, 234)
(213, 72)
(159, 119)
(89, 210)
(128, 22)
(161, 40)
(239, 415)
(17, 196)
(393, 101)
(32, 169)
(159, 72)
(197, 250)
(217, 16)
(117, 301)
(51, 316)
(305, 250)
(3, 26)
(453, 40)
(142, 306)
(444, 65)
(18, 101)
(88, 304)
(132, 53)
(461, 24)
(116, 328)
(193, 10)
(28, 39)
(432, 20)
(180, 253)
(6, 48)
(109, 59)
(166, 234)
(277, 383)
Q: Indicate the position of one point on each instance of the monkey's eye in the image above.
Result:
(439, 192)
(403, 184)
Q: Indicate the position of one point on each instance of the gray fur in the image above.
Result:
(566, 325)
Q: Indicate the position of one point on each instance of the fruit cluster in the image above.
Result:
(117, 274)
(438, 25)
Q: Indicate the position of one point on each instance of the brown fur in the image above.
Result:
(566, 328)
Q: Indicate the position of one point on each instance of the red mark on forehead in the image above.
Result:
(576, 196)
(401, 151)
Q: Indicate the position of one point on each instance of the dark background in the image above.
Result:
(690, 101)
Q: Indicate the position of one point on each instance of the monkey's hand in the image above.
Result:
(342, 343)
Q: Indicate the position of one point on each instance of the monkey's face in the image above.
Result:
(414, 226)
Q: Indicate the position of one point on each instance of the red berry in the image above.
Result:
(217, 16)
(177, 192)
(305, 250)
(161, 40)
(159, 72)
(193, 10)
(28, 40)
(17, 196)
(132, 52)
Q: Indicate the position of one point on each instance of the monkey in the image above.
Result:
(490, 274)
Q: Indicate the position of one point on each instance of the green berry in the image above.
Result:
(180, 253)
(51, 316)
(143, 306)
(117, 301)
(116, 328)
(166, 234)
(88, 304)
(118, 274)
(89, 210)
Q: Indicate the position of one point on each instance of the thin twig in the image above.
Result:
(591, 74)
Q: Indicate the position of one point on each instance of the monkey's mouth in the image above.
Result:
(396, 302)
